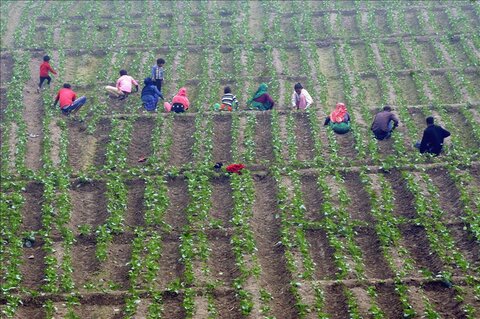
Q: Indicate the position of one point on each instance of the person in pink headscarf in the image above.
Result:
(180, 101)
(339, 119)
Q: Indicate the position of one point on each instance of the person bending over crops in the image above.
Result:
(433, 136)
(123, 87)
(229, 101)
(150, 95)
(261, 99)
(68, 100)
(180, 101)
(384, 123)
(339, 119)
(300, 97)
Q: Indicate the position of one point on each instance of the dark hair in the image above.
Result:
(227, 89)
(160, 61)
(123, 72)
(430, 120)
(46, 58)
(66, 86)
(387, 108)
(298, 86)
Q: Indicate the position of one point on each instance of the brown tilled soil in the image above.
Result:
(336, 302)
(89, 204)
(275, 277)
(32, 208)
(181, 151)
(263, 137)
(360, 204)
(135, 207)
(303, 133)
(222, 201)
(416, 241)
(312, 197)
(404, 200)
(140, 144)
(102, 136)
(222, 139)
(322, 254)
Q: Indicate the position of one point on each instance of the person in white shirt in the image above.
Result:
(300, 97)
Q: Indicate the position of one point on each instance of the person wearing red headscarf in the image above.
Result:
(339, 119)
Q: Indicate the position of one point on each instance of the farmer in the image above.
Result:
(45, 68)
(157, 73)
(384, 123)
(68, 100)
(261, 99)
(300, 97)
(432, 140)
(180, 101)
(123, 87)
(339, 119)
(229, 101)
(150, 95)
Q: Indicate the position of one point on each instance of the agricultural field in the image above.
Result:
(318, 225)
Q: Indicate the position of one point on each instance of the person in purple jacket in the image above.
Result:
(261, 99)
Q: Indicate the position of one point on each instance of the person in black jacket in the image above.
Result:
(433, 136)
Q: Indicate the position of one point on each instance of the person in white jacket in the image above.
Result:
(300, 97)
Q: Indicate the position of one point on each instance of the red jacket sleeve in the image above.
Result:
(51, 69)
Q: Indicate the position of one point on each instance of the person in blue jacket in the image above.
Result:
(150, 95)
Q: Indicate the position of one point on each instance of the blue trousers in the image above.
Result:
(75, 105)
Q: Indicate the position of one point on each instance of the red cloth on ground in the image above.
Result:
(235, 168)
(44, 68)
(66, 97)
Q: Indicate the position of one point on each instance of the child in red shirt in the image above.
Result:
(45, 68)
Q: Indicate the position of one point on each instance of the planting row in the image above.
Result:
(98, 20)
(164, 216)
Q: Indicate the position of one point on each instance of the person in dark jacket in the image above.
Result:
(150, 95)
(432, 140)
(384, 123)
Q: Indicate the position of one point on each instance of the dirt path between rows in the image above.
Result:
(15, 12)
(33, 114)
(275, 276)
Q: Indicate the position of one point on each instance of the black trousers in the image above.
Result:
(178, 108)
(43, 78)
(158, 83)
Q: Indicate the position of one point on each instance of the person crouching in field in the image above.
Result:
(261, 100)
(229, 101)
(432, 140)
(123, 87)
(68, 100)
(384, 123)
(150, 95)
(300, 97)
(180, 102)
(339, 119)
(45, 68)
